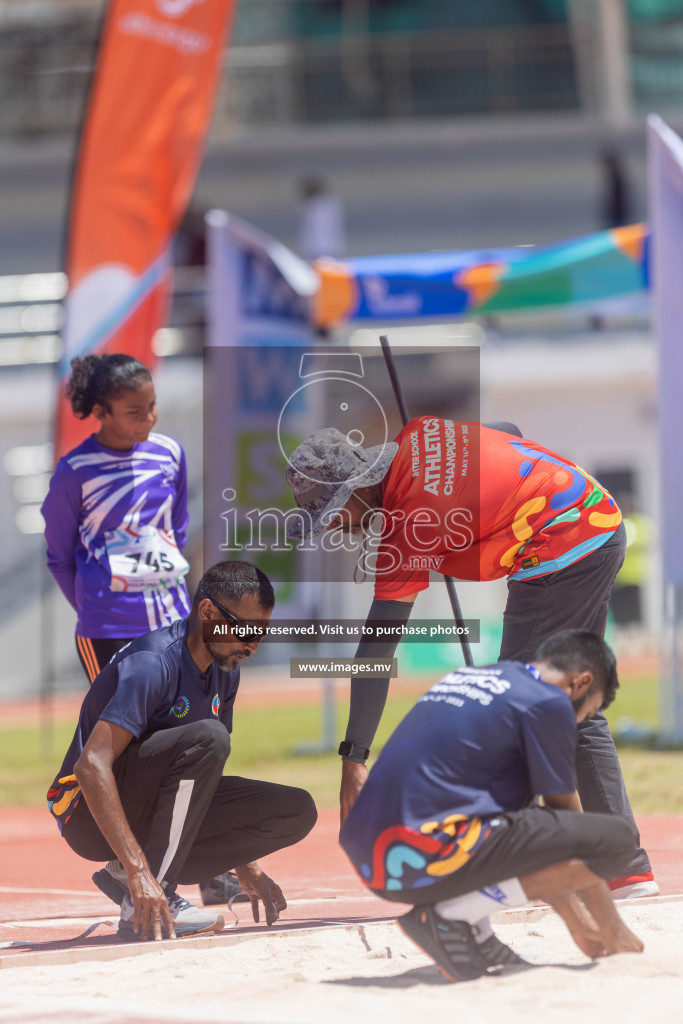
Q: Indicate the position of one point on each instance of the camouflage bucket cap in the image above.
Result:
(323, 473)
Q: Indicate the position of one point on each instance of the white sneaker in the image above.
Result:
(636, 890)
(188, 919)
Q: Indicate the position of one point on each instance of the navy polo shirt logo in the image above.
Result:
(181, 707)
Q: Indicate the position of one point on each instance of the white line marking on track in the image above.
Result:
(60, 922)
(51, 892)
(96, 893)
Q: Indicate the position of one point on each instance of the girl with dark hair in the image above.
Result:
(116, 512)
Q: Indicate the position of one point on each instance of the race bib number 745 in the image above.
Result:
(145, 558)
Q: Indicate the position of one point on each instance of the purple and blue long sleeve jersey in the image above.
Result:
(96, 494)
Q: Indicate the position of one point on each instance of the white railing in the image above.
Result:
(31, 317)
(383, 75)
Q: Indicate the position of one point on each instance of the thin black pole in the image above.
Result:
(47, 664)
(448, 580)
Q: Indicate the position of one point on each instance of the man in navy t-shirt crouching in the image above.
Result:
(446, 820)
(143, 778)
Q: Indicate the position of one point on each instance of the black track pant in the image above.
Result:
(525, 841)
(95, 652)
(577, 598)
(191, 821)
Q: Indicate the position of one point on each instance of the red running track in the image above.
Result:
(47, 897)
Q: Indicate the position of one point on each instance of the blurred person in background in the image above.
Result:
(627, 604)
(322, 230)
(615, 202)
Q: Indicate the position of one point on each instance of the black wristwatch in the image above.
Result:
(352, 752)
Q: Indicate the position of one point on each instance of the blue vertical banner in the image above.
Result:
(666, 220)
(259, 307)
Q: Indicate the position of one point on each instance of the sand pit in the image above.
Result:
(369, 972)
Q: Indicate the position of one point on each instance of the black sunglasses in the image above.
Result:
(245, 631)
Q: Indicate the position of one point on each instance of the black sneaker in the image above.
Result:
(112, 880)
(450, 943)
(222, 889)
(497, 954)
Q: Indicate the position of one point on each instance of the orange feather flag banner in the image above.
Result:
(141, 145)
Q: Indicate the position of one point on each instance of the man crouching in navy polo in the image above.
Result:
(143, 778)
(446, 822)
